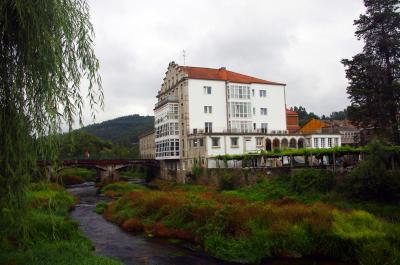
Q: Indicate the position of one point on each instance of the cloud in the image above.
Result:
(297, 42)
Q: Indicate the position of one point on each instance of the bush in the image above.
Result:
(306, 180)
(371, 179)
(226, 181)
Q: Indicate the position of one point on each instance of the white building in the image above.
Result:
(203, 112)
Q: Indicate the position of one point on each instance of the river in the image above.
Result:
(110, 240)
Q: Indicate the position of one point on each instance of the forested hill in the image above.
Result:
(123, 130)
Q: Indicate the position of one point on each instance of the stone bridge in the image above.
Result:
(105, 168)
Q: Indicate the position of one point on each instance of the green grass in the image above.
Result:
(132, 174)
(84, 173)
(51, 237)
(246, 232)
(270, 219)
(120, 188)
(100, 207)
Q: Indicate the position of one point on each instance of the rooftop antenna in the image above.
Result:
(184, 57)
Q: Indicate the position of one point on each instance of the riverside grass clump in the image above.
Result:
(71, 176)
(116, 189)
(51, 237)
(236, 229)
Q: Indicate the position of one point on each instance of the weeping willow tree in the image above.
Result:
(46, 50)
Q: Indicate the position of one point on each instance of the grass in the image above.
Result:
(75, 175)
(132, 174)
(269, 219)
(52, 238)
(116, 189)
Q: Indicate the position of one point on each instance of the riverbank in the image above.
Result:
(264, 221)
(51, 237)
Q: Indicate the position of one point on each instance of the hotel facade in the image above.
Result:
(204, 112)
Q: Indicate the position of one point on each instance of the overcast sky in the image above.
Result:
(297, 42)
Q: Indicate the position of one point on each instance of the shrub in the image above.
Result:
(371, 180)
(306, 180)
(132, 225)
(226, 181)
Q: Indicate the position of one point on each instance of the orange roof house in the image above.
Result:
(313, 126)
(292, 121)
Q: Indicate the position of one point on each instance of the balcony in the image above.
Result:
(168, 99)
(239, 131)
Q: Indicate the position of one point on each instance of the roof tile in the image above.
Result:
(224, 75)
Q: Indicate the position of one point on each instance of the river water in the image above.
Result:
(110, 240)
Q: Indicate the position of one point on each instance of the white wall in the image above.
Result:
(274, 102)
(310, 139)
(226, 148)
(197, 101)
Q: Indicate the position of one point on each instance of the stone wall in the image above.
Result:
(241, 176)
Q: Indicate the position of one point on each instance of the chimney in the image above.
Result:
(222, 73)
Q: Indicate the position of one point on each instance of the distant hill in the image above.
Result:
(123, 131)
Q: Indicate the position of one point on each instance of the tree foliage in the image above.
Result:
(123, 131)
(304, 116)
(374, 74)
(73, 145)
(45, 50)
(372, 179)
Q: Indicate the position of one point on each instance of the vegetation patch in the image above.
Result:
(132, 174)
(71, 176)
(51, 238)
(246, 230)
(117, 189)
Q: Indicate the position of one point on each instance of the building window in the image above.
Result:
(263, 93)
(208, 127)
(167, 148)
(322, 142)
(252, 92)
(316, 141)
(234, 141)
(239, 91)
(207, 90)
(329, 142)
(254, 111)
(195, 142)
(259, 141)
(207, 109)
(264, 127)
(263, 111)
(201, 142)
(240, 126)
(254, 126)
(239, 110)
(336, 141)
(215, 141)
